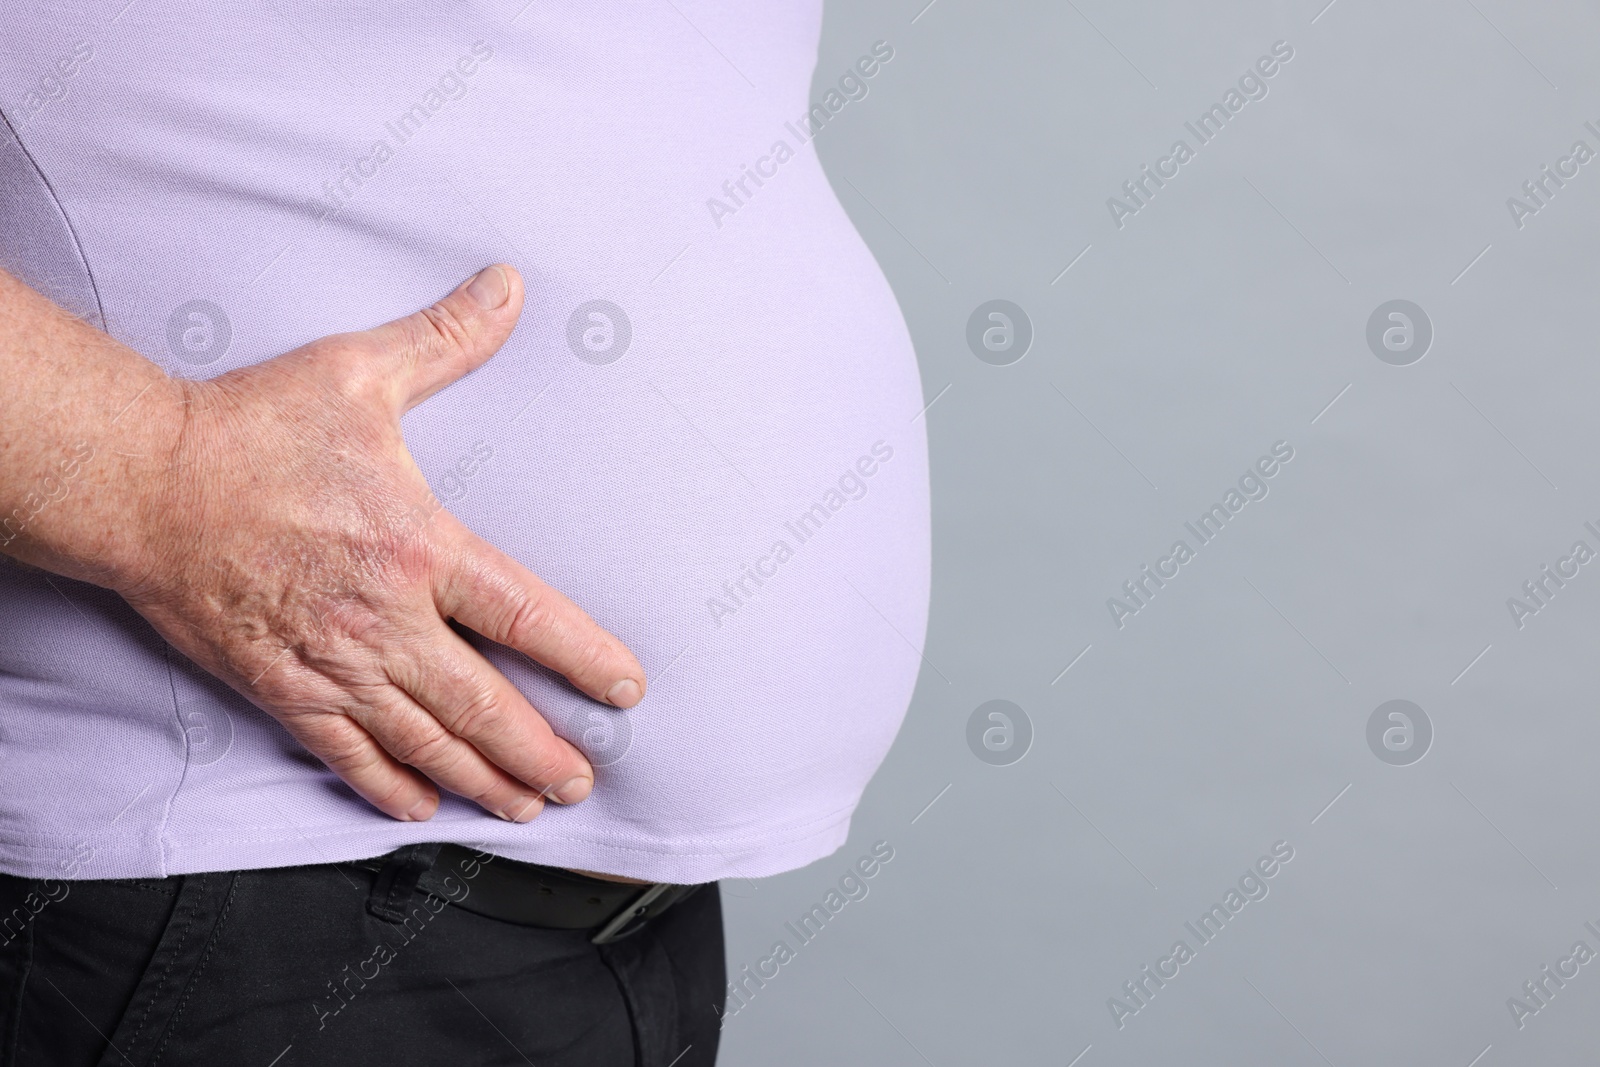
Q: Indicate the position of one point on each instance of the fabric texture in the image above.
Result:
(289, 966)
(705, 429)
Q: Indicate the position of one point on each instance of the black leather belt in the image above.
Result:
(527, 894)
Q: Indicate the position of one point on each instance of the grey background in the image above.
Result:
(1225, 716)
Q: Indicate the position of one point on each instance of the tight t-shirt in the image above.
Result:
(705, 429)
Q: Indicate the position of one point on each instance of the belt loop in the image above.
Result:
(396, 883)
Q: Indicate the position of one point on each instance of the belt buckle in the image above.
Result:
(617, 926)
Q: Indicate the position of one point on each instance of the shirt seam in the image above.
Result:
(105, 327)
(72, 230)
(162, 844)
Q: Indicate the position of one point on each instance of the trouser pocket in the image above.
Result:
(74, 956)
(176, 965)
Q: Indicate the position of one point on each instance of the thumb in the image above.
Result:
(439, 344)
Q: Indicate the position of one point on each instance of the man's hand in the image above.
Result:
(292, 548)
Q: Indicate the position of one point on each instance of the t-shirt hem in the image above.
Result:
(685, 861)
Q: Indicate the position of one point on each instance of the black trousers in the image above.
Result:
(287, 967)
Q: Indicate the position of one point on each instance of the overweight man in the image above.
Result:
(461, 495)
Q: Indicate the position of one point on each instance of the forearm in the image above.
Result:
(87, 427)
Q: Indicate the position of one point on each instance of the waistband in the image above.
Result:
(527, 894)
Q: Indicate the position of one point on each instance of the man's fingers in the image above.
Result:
(353, 754)
(426, 351)
(412, 734)
(475, 702)
(489, 592)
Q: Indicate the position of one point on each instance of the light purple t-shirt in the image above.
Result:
(705, 429)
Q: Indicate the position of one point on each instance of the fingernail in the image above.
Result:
(489, 289)
(523, 809)
(573, 790)
(423, 809)
(625, 694)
